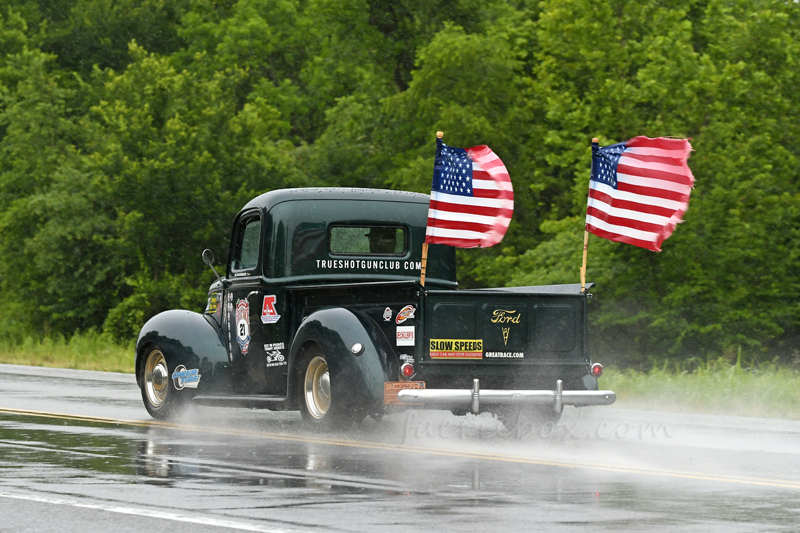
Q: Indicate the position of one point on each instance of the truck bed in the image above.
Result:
(523, 337)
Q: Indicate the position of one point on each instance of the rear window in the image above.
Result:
(368, 240)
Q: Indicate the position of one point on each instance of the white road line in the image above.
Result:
(206, 521)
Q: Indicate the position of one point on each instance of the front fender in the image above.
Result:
(189, 339)
(355, 379)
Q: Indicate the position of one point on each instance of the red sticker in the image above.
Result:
(405, 313)
(268, 313)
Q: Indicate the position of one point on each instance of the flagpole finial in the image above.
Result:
(439, 134)
(595, 140)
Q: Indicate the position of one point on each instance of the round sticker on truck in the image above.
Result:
(405, 313)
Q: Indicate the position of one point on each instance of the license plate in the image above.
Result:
(391, 388)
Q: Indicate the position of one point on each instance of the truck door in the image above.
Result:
(243, 303)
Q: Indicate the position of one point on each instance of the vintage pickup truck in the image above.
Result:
(322, 311)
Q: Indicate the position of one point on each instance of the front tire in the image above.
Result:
(160, 400)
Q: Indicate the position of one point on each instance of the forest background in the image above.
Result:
(132, 131)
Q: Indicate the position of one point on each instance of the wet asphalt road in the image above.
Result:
(78, 452)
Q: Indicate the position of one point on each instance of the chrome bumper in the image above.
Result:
(474, 398)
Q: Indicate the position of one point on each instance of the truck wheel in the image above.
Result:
(317, 388)
(161, 401)
(317, 405)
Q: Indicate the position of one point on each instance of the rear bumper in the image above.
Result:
(475, 398)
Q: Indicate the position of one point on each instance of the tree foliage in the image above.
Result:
(131, 132)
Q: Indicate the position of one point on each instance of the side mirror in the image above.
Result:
(208, 258)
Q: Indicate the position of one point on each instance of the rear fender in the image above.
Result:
(355, 379)
(189, 339)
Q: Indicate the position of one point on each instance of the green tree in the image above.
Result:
(52, 228)
(724, 78)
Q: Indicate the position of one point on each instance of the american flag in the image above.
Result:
(639, 190)
(471, 198)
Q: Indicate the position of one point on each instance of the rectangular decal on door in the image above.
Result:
(269, 315)
(243, 324)
(456, 349)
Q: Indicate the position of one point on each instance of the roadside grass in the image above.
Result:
(84, 351)
(715, 388)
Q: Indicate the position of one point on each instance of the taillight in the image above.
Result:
(597, 370)
(407, 370)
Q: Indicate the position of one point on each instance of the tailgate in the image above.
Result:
(519, 326)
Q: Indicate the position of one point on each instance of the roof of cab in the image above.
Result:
(268, 200)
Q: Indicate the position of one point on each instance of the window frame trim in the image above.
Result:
(241, 225)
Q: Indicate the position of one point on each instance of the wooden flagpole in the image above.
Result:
(424, 262)
(595, 142)
(583, 268)
(439, 135)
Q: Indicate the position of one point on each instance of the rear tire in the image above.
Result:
(160, 399)
(317, 389)
(318, 405)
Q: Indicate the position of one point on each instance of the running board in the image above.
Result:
(263, 401)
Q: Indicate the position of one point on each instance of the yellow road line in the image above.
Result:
(745, 480)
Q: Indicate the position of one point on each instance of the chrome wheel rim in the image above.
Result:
(156, 378)
(318, 387)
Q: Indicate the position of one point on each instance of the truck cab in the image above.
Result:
(321, 310)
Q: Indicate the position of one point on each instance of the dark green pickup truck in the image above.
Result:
(321, 310)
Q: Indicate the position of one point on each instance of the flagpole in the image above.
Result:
(595, 142)
(439, 135)
(424, 261)
(583, 268)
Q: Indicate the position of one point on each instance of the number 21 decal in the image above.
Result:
(243, 324)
